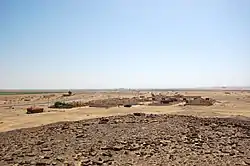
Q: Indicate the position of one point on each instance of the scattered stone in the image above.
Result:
(45, 149)
(138, 114)
(39, 142)
(247, 161)
(93, 153)
(30, 154)
(33, 163)
(171, 139)
(60, 158)
(118, 148)
(103, 121)
(54, 163)
(41, 163)
(108, 153)
(8, 158)
(127, 105)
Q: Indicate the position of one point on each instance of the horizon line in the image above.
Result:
(63, 89)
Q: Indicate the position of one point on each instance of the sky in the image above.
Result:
(97, 44)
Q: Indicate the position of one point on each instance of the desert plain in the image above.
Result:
(13, 107)
(143, 134)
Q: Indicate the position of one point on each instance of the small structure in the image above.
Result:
(68, 94)
(200, 102)
(33, 110)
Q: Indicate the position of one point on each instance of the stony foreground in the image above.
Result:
(136, 139)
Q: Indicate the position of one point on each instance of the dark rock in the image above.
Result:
(138, 114)
(39, 142)
(41, 163)
(103, 121)
(127, 105)
(117, 148)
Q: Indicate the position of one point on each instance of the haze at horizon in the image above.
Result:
(94, 44)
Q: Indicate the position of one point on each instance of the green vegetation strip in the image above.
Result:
(23, 93)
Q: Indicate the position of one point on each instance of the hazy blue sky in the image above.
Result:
(124, 43)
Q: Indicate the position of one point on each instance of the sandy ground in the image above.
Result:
(13, 107)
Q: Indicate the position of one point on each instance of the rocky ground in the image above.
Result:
(135, 139)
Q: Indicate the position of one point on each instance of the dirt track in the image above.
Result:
(130, 140)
